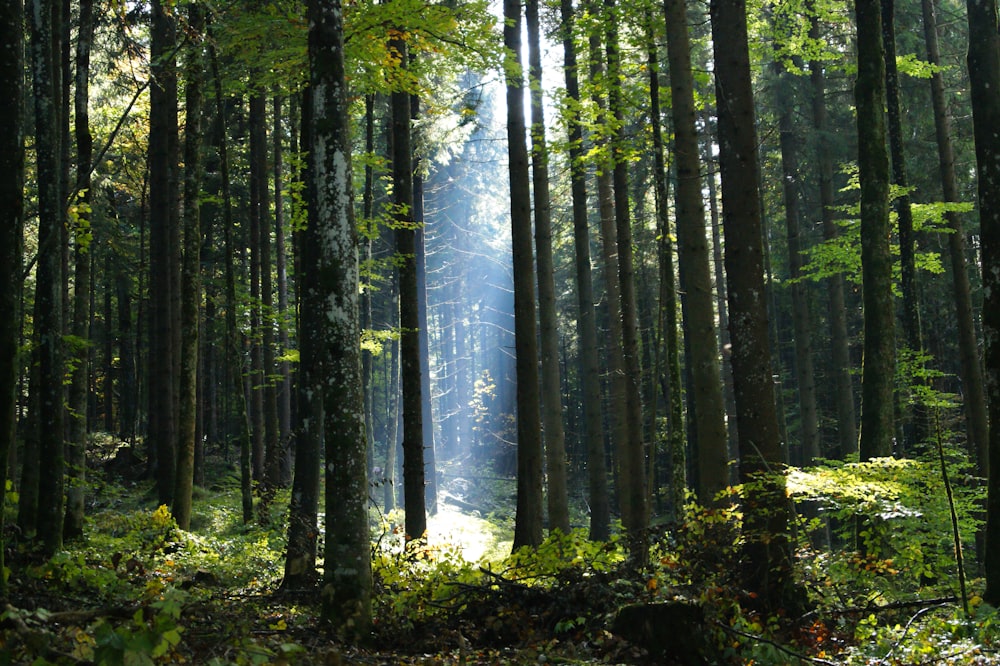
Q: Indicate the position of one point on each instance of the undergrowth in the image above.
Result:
(874, 560)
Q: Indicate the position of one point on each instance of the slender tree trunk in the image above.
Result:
(162, 426)
(281, 269)
(191, 276)
(234, 347)
(917, 432)
(46, 30)
(971, 369)
(77, 446)
(633, 493)
(699, 317)
(300, 560)
(586, 321)
(11, 232)
(801, 321)
(347, 585)
(528, 520)
(840, 358)
(423, 330)
(552, 408)
(409, 318)
(768, 552)
(667, 315)
(258, 372)
(878, 371)
(984, 76)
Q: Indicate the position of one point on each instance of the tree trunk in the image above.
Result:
(162, 426)
(918, 427)
(667, 316)
(878, 371)
(45, 20)
(11, 232)
(632, 495)
(586, 320)
(552, 408)
(190, 277)
(79, 384)
(840, 358)
(801, 321)
(768, 552)
(528, 520)
(692, 255)
(971, 369)
(300, 560)
(280, 264)
(984, 76)
(348, 576)
(409, 317)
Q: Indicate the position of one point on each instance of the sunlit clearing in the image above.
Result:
(472, 536)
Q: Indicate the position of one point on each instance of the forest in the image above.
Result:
(469, 332)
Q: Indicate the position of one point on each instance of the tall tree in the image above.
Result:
(79, 384)
(671, 379)
(163, 215)
(191, 291)
(336, 327)
(878, 371)
(840, 361)
(917, 429)
(632, 492)
(409, 315)
(11, 229)
(586, 320)
(692, 256)
(300, 559)
(801, 319)
(45, 26)
(971, 369)
(528, 520)
(984, 76)
(552, 408)
(768, 551)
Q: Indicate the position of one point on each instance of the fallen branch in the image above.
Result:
(761, 639)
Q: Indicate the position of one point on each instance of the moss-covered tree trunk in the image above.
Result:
(191, 291)
(878, 371)
(335, 325)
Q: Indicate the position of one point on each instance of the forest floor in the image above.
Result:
(137, 590)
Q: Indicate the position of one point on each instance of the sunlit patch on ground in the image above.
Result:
(472, 536)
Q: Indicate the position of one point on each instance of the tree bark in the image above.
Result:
(11, 231)
(632, 495)
(768, 551)
(162, 426)
(692, 255)
(409, 317)
(840, 358)
(45, 27)
(878, 371)
(984, 77)
(528, 519)
(79, 384)
(552, 407)
(191, 291)
(971, 369)
(348, 577)
(586, 320)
